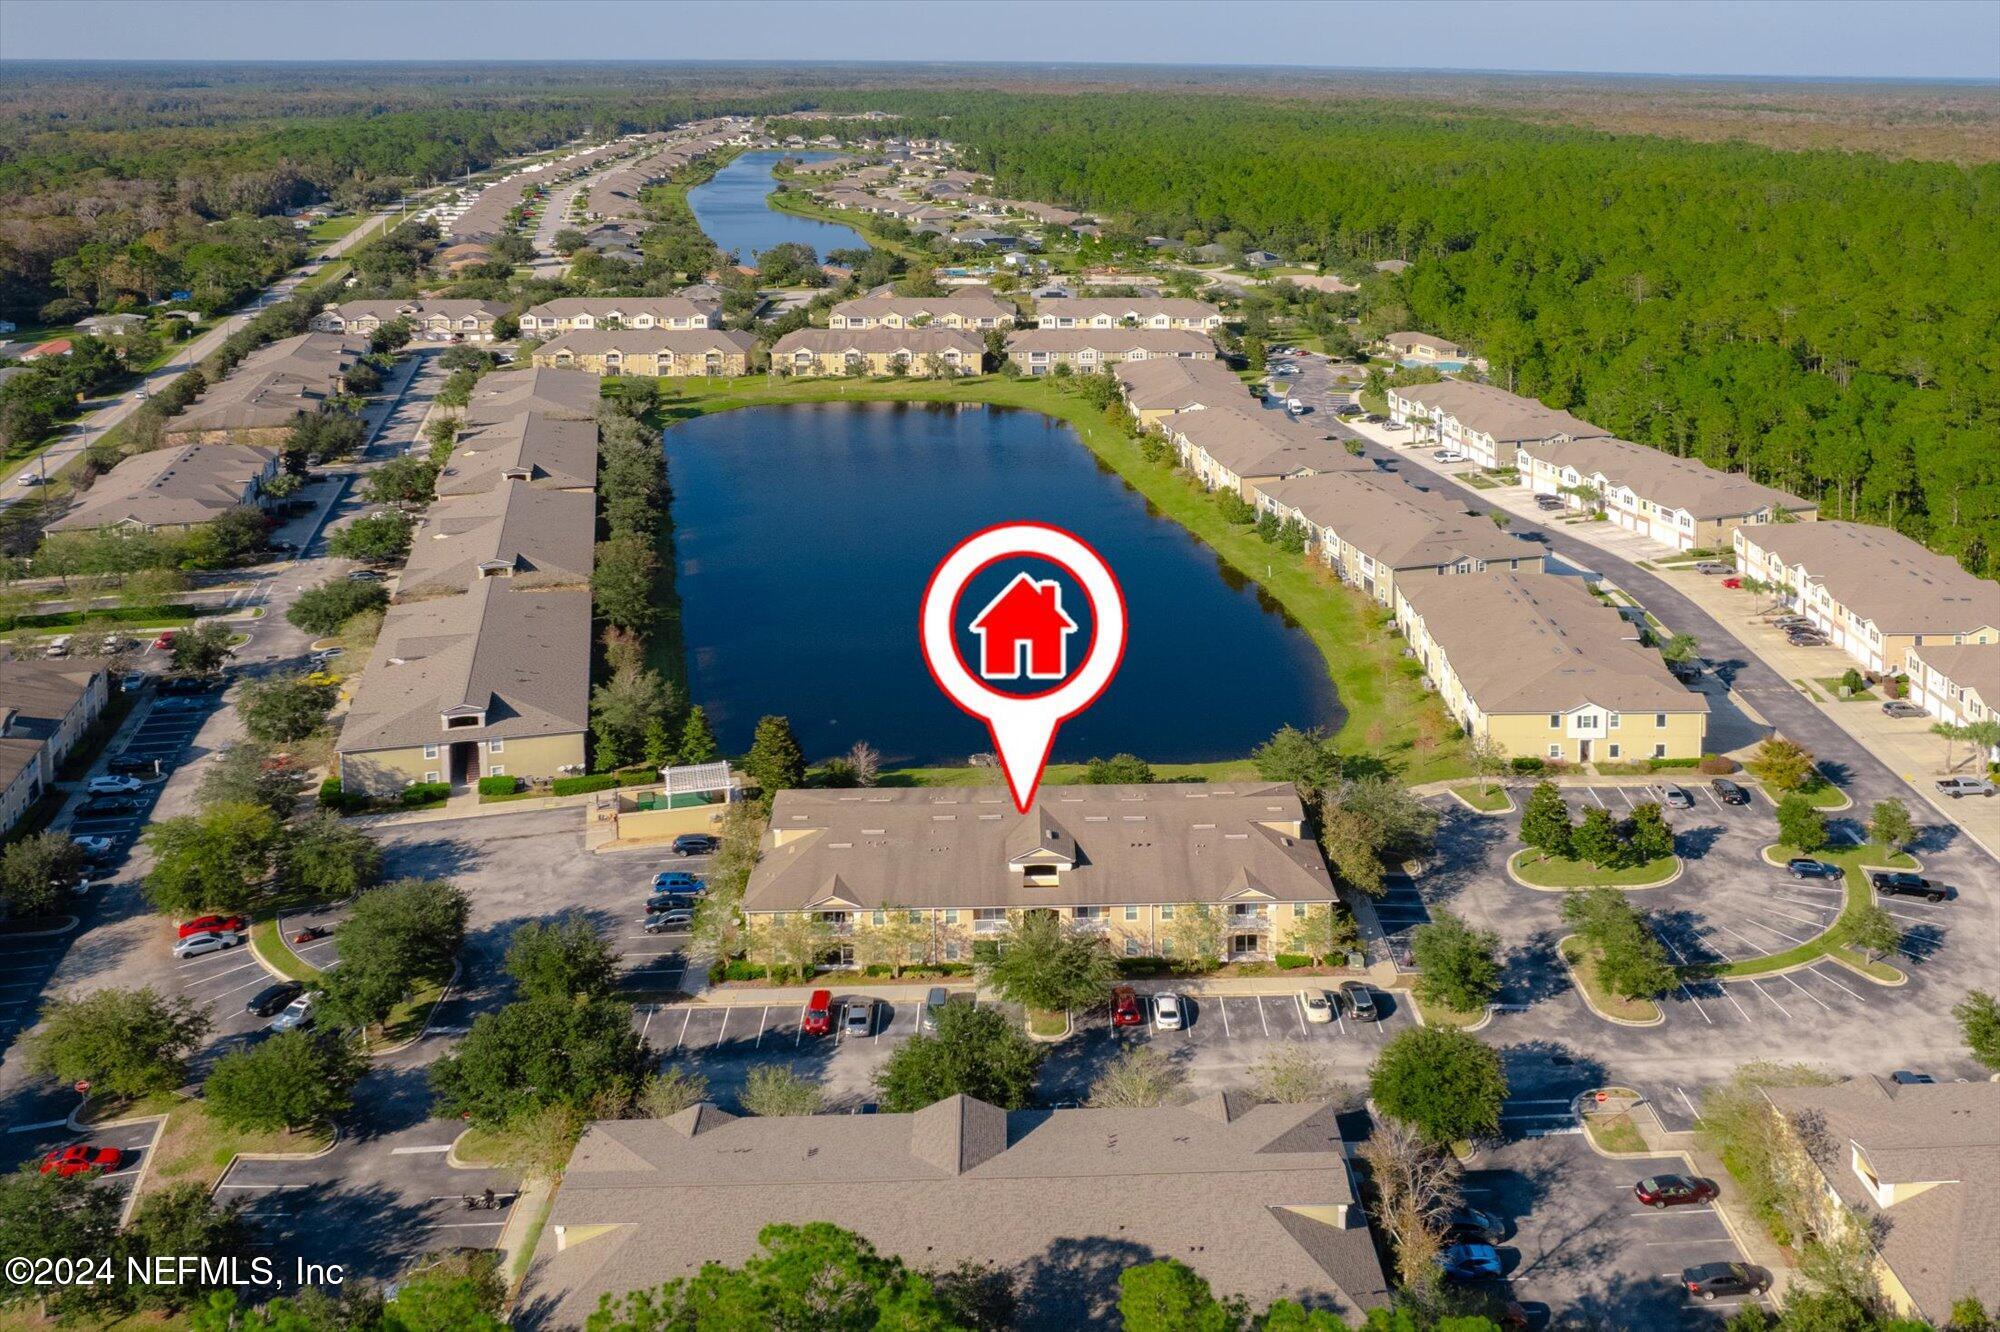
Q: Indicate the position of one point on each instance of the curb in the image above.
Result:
(51, 933)
(1069, 1029)
(1505, 794)
(1680, 868)
(1577, 983)
(145, 1166)
(457, 1162)
(429, 1017)
(1417, 1012)
(338, 1136)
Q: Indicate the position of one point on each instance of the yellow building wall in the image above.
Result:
(384, 772)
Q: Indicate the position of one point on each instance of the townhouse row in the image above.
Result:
(46, 709)
(482, 668)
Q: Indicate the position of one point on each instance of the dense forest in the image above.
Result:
(1828, 322)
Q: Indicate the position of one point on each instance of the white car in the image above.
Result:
(195, 945)
(1318, 1008)
(296, 1014)
(1447, 456)
(1169, 1014)
(93, 846)
(324, 655)
(32, 479)
(109, 785)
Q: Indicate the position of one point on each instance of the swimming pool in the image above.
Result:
(1447, 367)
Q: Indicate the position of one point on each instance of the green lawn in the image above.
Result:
(1389, 716)
(1831, 683)
(333, 272)
(197, 1148)
(328, 230)
(1851, 859)
(1486, 799)
(1438, 1015)
(1554, 872)
(1615, 1133)
(1584, 967)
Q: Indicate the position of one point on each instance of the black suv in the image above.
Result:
(694, 844)
(131, 767)
(273, 998)
(1729, 793)
(1897, 883)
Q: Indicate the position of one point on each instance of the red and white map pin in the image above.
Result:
(1024, 633)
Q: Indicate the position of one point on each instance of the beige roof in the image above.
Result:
(1253, 441)
(188, 483)
(1883, 576)
(1409, 341)
(570, 394)
(558, 454)
(965, 302)
(1539, 642)
(388, 311)
(1973, 666)
(649, 342)
(952, 848)
(1674, 483)
(1176, 384)
(18, 755)
(1111, 341)
(1506, 417)
(273, 384)
(486, 219)
(38, 695)
(627, 308)
(1256, 1198)
(520, 656)
(1394, 523)
(533, 536)
(915, 341)
(1125, 307)
(1942, 1243)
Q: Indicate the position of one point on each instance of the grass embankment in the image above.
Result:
(1486, 799)
(194, 1147)
(1615, 1133)
(1442, 1015)
(405, 1021)
(1554, 872)
(1828, 943)
(1583, 969)
(1833, 684)
(1389, 716)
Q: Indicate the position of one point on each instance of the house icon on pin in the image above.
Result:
(1025, 631)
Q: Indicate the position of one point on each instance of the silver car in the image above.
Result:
(297, 1015)
(197, 945)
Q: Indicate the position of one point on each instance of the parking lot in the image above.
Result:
(160, 737)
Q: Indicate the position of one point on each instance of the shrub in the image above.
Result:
(1661, 765)
(736, 970)
(1715, 765)
(1142, 968)
(1292, 961)
(597, 781)
(1528, 763)
(332, 795)
(498, 786)
(423, 793)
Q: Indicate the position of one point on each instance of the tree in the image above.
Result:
(1416, 1188)
(1545, 822)
(1307, 759)
(1373, 823)
(327, 860)
(1458, 966)
(561, 959)
(1041, 965)
(773, 1091)
(972, 1052)
(791, 943)
(1630, 959)
(775, 762)
(814, 1276)
(1679, 647)
(697, 740)
(1137, 1079)
(579, 1054)
(36, 873)
(900, 940)
(1196, 934)
(405, 480)
(249, 773)
(1979, 1023)
(284, 708)
(217, 860)
(1118, 770)
(201, 649)
(1890, 824)
(1289, 1074)
(625, 711)
(461, 1293)
(1872, 930)
(48, 1217)
(290, 1081)
(671, 1091)
(184, 1220)
(1444, 1084)
(865, 762)
(1489, 758)
(1648, 835)
(125, 1043)
(380, 538)
(1782, 765)
(324, 609)
(1170, 1296)
(1800, 826)
(1321, 932)
(394, 937)
(1596, 841)
(622, 582)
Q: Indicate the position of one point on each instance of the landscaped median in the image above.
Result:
(1855, 863)
(406, 1021)
(1484, 797)
(1533, 869)
(193, 1147)
(1582, 967)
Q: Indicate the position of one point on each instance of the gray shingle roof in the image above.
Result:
(1675, 483)
(915, 341)
(1253, 441)
(1393, 522)
(571, 395)
(650, 342)
(555, 453)
(1111, 341)
(517, 530)
(627, 308)
(1180, 309)
(1884, 576)
(190, 483)
(1507, 417)
(1178, 383)
(965, 302)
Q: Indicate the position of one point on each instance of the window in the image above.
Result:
(1131, 948)
(1612, 723)
(1167, 911)
(951, 915)
(1166, 948)
(430, 751)
(1131, 913)
(1298, 911)
(1659, 751)
(496, 771)
(1555, 751)
(914, 917)
(1614, 749)
(430, 776)
(881, 918)
(1586, 721)
(951, 950)
(1660, 720)
(496, 746)
(1555, 720)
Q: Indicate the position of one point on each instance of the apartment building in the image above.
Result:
(1378, 531)
(568, 395)
(259, 400)
(1486, 424)
(1038, 351)
(1423, 349)
(1126, 312)
(1257, 1198)
(1957, 683)
(531, 447)
(574, 312)
(531, 536)
(1533, 662)
(1678, 502)
(1242, 447)
(46, 707)
(961, 307)
(431, 320)
(922, 353)
(173, 489)
(1118, 861)
(655, 352)
(1874, 592)
(1155, 390)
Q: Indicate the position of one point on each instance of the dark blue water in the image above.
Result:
(731, 209)
(805, 535)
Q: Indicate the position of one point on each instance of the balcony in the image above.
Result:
(990, 926)
(1247, 924)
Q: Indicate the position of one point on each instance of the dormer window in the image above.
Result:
(464, 719)
(1041, 876)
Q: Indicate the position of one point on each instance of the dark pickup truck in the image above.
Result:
(1897, 884)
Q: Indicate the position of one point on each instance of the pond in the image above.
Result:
(731, 209)
(804, 536)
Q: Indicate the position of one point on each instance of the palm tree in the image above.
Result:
(1952, 734)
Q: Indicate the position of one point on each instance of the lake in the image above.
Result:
(805, 535)
(731, 209)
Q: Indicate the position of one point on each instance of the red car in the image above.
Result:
(1674, 1191)
(165, 642)
(214, 925)
(80, 1160)
(1125, 1009)
(818, 1020)
(1732, 582)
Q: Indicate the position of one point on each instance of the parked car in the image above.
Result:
(93, 847)
(81, 1159)
(1959, 787)
(1169, 1014)
(1733, 582)
(214, 925)
(295, 1016)
(363, 576)
(133, 767)
(165, 642)
(1674, 1190)
(273, 998)
(669, 922)
(1672, 796)
(678, 881)
(858, 1018)
(325, 655)
(1397, 425)
(1900, 883)
(1126, 1010)
(695, 844)
(818, 1019)
(1316, 1006)
(198, 945)
(185, 684)
(1359, 1001)
(1470, 1262)
(1806, 638)
(1804, 867)
(112, 785)
(1710, 567)
(669, 902)
(1447, 456)
(934, 1001)
(1902, 708)
(1710, 1281)
(108, 807)
(1463, 1225)
(1728, 792)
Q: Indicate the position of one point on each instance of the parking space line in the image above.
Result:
(1774, 1003)
(463, 1225)
(1686, 1102)
(648, 1025)
(682, 1038)
(762, 1018)
(1223, 1004)
(726, 1010)
(1807, 993)
(1626, 796)
(1591, 791)
(1814, 969)
(1714, 798)
(1260, 1017)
